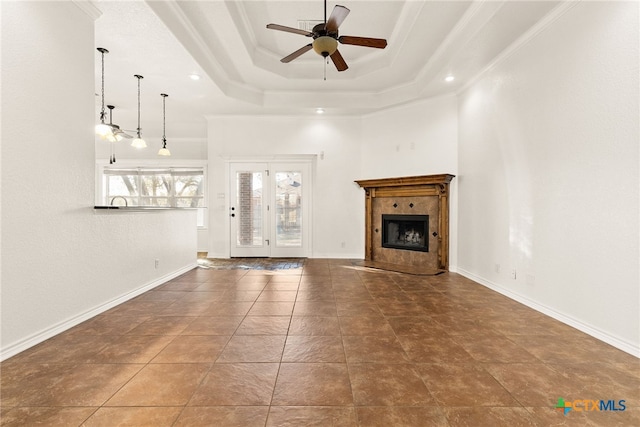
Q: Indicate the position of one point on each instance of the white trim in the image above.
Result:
(618, 343)
(60, 327)
(89, 7)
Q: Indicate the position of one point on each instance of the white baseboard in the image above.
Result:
(627, 347)
(58, 328)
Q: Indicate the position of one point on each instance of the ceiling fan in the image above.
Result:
(116, 133)
(325, 38)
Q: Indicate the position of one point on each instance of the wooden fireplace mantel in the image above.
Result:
(425, 186)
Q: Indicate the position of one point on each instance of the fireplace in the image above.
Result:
(407, 223)
(408, 232)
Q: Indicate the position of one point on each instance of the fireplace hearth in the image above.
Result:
(408, 232)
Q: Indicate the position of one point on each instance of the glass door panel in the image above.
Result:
(248, 211)
(288, 209)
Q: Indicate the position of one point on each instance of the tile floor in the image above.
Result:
(328, 344)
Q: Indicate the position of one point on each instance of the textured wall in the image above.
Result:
(548, 185)
(61, 259)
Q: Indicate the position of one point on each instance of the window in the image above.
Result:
(159, 187)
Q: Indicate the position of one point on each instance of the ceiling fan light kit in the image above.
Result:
(326, 39)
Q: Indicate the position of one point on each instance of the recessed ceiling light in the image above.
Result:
(320, 110)
(449, 78)
(194, 76)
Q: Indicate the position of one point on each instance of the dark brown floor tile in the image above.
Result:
(494, 349)
(272, 308)
(172, 385)
(186, 308)
(358, 325)
(237, 384)
(422, 325)
(162, 325)
(260, 348)
(495, 417)
(314, 325)
(241, 295)
(139, 308)
(315, 308)
(68, 349)
(453, 324)
(19, 381)
(192, 349)
(45, 416)
(312, 384)
(223, 416)
(388, 385)
(264, 325)
(376, 349)
(464, 385)
(358, 308)
(315, 349)
(401, 417)
(270, 295)
(133, 349)
(422, 349)
(213, 325)
(533, 384)
(561, 349)
(108, 325)
(178, 286)
(315, 295)
(134, 417)
(602, 379)
(201, 296)
(239, 308)
(281, 286)
(82, 385)
(311, 416)
(400, 308)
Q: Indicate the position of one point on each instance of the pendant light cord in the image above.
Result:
(139, 77)
(102, 112)
(164, 115)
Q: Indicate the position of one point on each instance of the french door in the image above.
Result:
(270, 209)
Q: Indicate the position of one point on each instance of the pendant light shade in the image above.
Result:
(164, 151)
(103, 130)
(138, 142)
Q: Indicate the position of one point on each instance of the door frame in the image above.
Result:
(308, 159)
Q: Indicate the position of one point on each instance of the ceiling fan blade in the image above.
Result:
(338, 61)
(289, 30)
(363, 41)
(338, 15)
(297, 53)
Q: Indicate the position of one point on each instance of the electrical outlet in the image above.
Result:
(343, 245)
(513, 274)
(497, 268)
(157, 263)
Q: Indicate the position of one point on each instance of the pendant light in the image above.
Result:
(138, 142)
(102, 129)
(164, 151)
(115, 134)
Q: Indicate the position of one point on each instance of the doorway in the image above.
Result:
(270, 209)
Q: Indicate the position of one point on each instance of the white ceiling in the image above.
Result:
(228, 44)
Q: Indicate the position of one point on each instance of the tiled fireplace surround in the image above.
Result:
(415, 195)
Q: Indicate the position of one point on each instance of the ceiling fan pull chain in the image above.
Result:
(325, 69)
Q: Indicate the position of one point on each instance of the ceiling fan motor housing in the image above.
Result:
(325, 43)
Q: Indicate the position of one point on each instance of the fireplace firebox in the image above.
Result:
(407, 232)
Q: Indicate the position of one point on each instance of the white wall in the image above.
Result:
(549, 184)
(63, 262)
(338, 203)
